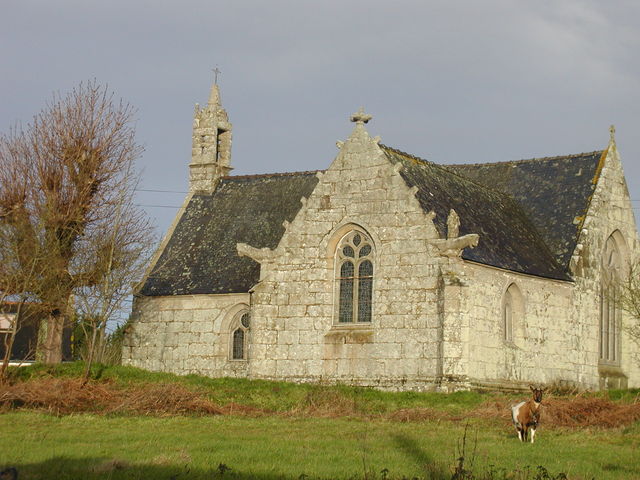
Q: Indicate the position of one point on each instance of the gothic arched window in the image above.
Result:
(512, 314)
(239, 336)
(354, 269)
(507, 316)
(609, 304)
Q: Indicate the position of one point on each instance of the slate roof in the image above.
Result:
(528, 214)
(554, 193)
(201, 257)
(508, 239)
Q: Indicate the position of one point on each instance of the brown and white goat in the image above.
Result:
(526, 415)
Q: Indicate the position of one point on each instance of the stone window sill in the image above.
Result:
(351, 326)
(610, 369)
(350, 333)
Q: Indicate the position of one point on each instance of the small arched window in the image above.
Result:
(609, 303)
(239, 336)
(354, 268)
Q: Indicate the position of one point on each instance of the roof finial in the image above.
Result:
(361, 117)
(612, 135)
(214, 95)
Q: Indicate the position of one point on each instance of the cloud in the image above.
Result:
(448, 80)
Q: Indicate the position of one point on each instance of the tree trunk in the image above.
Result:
(52, 346)
(91, 352)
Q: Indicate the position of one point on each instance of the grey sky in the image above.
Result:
(450, 81)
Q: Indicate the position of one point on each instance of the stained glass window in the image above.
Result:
(365, 284)
(238, 344)
(346, 292)
(239, 336)
(355, 278)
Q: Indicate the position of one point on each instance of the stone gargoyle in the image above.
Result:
(260, 255)
(453, 245)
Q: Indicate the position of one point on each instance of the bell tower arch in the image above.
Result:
(211, 144)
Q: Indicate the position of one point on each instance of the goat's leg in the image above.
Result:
(533, 434)
(519, 430)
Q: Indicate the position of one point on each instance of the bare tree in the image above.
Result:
(18, 285)
(69, 198)
(629, 298)
(20, 254)
(21, 315)
(121, 255)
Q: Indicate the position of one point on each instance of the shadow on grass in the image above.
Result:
(67, 468)
(411, 449)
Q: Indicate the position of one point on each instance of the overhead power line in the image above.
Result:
(159, 191)
(157, 206)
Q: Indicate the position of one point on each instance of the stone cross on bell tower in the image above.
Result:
(211, 146)
(360, 117)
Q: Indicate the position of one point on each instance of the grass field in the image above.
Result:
(293, 431)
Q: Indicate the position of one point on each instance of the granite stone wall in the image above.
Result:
(610, 213)
(296, 335)
(185, 334)
(556, 329)
(437, 320)
(543, 344)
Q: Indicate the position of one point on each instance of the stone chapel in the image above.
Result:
(391, 271)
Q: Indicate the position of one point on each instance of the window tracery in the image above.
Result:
(239, 336)
(354, 267)
(609, 345)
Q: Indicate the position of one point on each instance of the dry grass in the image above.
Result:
(237, 409)
(57, 396)
(581, 411)
(63, 396)
(575, 411)
(405, 415)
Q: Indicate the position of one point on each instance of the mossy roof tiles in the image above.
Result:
(554, 193)
(201, 257)
(508, 239)
(527, 213)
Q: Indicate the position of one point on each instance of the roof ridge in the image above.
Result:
(525, 160)
(415, 157)
(268, 175)
(451, 172)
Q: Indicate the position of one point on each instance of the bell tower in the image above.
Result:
(211, 147)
